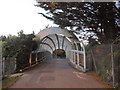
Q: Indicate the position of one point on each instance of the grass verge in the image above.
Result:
(100, 80)
(8, 81)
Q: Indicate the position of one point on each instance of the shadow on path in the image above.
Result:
(55, 73)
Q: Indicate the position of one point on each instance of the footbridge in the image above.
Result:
(62, 43)
(57, 48)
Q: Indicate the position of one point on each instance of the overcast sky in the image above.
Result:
(16, 15)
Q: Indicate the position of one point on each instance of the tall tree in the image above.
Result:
(100, 18)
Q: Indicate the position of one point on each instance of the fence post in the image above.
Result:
(70, 56)
(94, 61)
(30, 59)
(112, 60)
(78, 58)
(15, 64)
(36, 59)
(3, 66)
(74, 57)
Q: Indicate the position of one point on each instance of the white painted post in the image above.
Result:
(71, 56)
(77, 54)
(84, 60)
(74, 57)
(84, 56)
(78, 59)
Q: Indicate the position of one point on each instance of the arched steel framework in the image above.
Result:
(63, 42)
(53, 42)
(74, 48)
(47, 45)
(57, 41)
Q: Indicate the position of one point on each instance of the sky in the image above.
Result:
(16, 15)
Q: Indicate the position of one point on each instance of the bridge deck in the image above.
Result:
(55, 73)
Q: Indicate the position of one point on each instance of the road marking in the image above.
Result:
(78, 75)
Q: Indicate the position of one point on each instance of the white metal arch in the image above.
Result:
(66, 43)
(52, 38)
(77, 53)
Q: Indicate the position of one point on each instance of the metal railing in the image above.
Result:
(37, 60)
(78, 59)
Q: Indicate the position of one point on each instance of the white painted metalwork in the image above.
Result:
(80, 63)
(56, 38)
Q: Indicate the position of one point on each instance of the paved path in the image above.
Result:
(55, 74)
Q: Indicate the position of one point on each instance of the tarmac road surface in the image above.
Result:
(56, 73)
